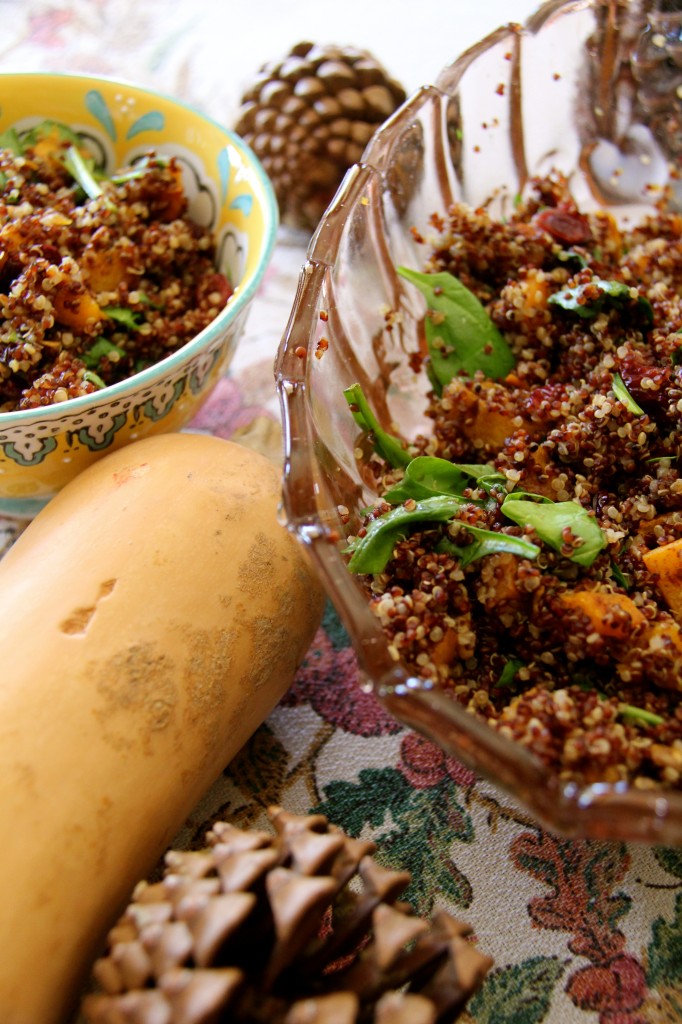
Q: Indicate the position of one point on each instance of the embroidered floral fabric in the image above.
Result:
(581, 932)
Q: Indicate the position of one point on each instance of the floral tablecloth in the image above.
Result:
(580, 931)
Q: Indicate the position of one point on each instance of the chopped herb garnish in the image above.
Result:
(508, 674)
(550, 519)
(624, 397)
(387, 446)
(126, 317)
(102, 348)
(460, 336)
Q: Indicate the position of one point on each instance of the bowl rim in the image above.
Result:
(238, 301)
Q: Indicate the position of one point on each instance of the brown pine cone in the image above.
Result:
(299, 927)
(308, 118)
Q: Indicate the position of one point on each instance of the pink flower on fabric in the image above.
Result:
(224, 411)
(328, 681)
(45, 28)
(424, 764)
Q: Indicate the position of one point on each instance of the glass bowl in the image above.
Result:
(590, 87)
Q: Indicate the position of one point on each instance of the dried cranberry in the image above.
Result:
(565, 226)
(654, 397)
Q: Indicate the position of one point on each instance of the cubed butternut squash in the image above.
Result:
(666, 563)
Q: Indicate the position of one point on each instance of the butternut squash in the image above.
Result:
(75, 307)
(617, 618)
(666, 563)
(151, 617)
(614, 616)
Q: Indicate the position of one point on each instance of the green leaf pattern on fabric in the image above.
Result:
(669, 859)
(519, 993)
(665, 951)
(415, 828)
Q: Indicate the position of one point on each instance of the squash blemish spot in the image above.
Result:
(78, 621)
(258, 565)
(141, 681)
(130, 473)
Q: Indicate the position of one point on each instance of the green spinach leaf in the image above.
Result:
(621, 578)
(639, 715)
(487, 542)
(140, 168)
(370, 553)
(427, 475)
(83, 172)
(10, 140)
(549, 519)
(386, 445)
(101, 348)
(460, 336)
(124, 316)
(94, 378)
(624, 397)
(573, 300)
(44, 129)
(508, 674)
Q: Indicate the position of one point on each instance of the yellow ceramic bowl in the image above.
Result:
(42, 449)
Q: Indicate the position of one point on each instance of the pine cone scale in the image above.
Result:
(309, 88)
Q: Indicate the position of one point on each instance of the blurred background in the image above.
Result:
(185, 42)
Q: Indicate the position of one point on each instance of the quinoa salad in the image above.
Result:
(100, 276)
(525, 554)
